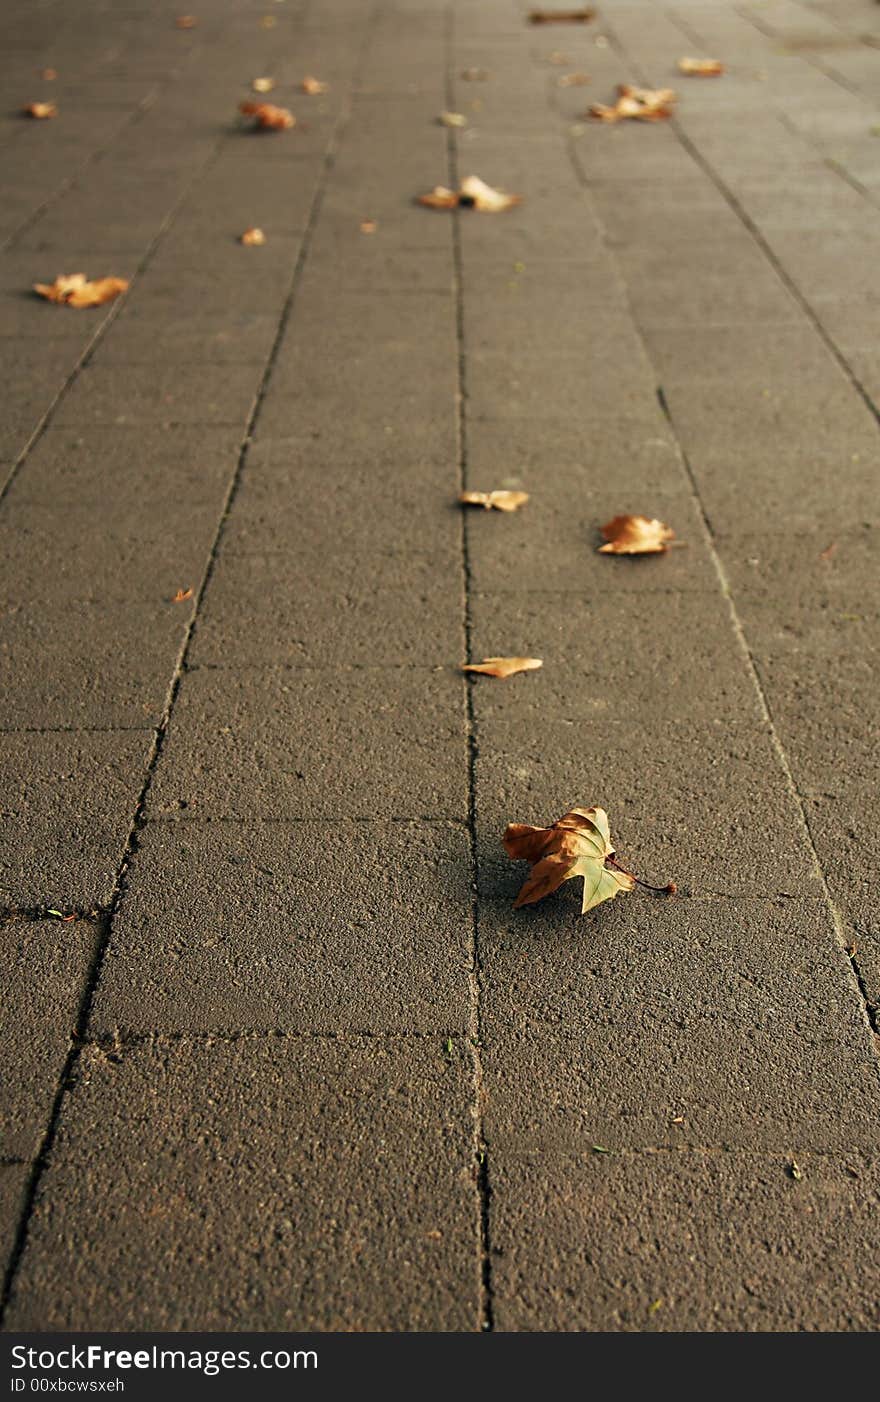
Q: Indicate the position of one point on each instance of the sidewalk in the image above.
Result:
(297, 1063)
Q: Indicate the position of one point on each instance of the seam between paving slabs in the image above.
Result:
(67, 1076)
(481, 1155)
(857, 983)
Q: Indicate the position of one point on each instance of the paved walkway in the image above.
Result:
(297, 1063)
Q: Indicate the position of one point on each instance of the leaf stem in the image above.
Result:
(668, 890)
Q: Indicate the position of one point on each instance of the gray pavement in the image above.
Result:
(296, 1062)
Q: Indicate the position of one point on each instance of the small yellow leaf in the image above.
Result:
(41, 111)
(313, 86)
(49, 75)
(635, 535)
(268, 117)
(500, 500)
(439, 198)
(369, 226)
(253, 238)
(263, 84)
(701, 67)
(503, 666)
(268, 22)
(452, 119)
(75, 290)
(483, 197)
(641, 104)
(181, 595)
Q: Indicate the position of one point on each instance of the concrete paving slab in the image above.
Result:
(46, 963)
(290, 744)
(67, 806)
(685, 1242)
(239, 926)
(256, 1149)
(223, 394)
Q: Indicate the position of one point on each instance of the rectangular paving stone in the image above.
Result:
(67, 805)
(208, 394)
(669, 1023)
(47, 964)
(14, 1180)
(686, 800)
(634, 657)
(239, 927)
(703, 1242)
(363, 609)
(294, 1217)
(236, 338)
(304, 743)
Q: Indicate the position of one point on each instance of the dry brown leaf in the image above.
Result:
(635, 535)
(503, 666)
(263, 84)
(473, 193)
(369, 226)
(253, 238)
(577, 845)
(476, 75)
(573, 80)
(40, 110)
(313, 86)
(268, 117)
(641, 104)
(452, 119)
(75, 290)
(49, 75)
(701, 67)
(561, 16)
(440, 198)
(186, 21)
(499, 500)
(181, 595)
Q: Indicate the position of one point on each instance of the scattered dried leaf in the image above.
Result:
(452, 119)
(59, 915)
(795, 1171)
(561, 16)
(573, 80)
(313, 86)
(701, 67)
(655, 1305)
(253, 238)
(476, 75)
(181, 595)
(263, 84)
(440, 198)
(499, 500)
(268, 22)
(473, 193)
(369, 226)
(434, 1236)
(186, 21)
(635, 535)
(268, 117)
(49, 75)
(641, 104)
(75, 290)
(577, 845)
(828, 552)
(41, 111)
(503, 667)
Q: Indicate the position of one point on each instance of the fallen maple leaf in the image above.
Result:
(503, 666)
(252, 238)
(75, 290)
(313, 86)
(452, 119)
(573, 80)
(701, 67)
(635, 535)
(473, 193)
(500, 500)
(186, 21)
(181, 595)
(40, 110)
(49, 75)
(561, 16)
(641, 104)
(263, 84)
(268, 117)
(369, 226)
(578, 844)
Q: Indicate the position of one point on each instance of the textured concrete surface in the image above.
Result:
(315, 1068)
